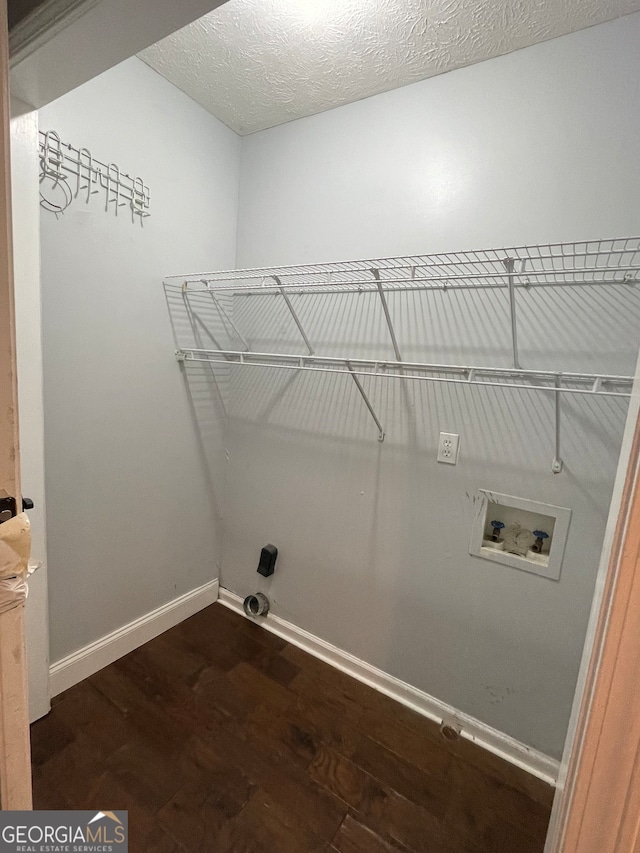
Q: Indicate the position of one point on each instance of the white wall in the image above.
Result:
(133, 502)
(540, 145)
(528, 147)
(26, 255)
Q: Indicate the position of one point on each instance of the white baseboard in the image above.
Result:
(81, 664)
(485, 736)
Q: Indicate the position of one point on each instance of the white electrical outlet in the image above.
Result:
(448, 448)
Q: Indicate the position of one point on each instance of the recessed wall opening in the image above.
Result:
(520, 533)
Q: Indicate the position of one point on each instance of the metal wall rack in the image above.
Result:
(67, 172)
(580, 264)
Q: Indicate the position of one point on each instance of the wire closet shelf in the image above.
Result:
(609, 262)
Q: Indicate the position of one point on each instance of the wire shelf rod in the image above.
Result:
(387, 315)
(389, 375)
(510, 266)
(365, 287)
(465, 375)
(367, 402)
(556, 465)
(293, 313)
(223, 312)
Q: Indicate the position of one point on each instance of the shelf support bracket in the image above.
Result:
(509, 265)
(556, 465)
(367, 402)
(222, 311)
(292, 310)
(387, 315)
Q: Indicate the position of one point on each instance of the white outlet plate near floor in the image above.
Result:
(448, 448)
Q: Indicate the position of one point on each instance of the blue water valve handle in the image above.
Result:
(497, 527)
(540, 537)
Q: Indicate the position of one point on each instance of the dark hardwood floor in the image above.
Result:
(218, 736)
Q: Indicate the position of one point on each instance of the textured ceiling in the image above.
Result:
(258, 63)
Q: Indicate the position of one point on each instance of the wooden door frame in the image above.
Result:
(597, 804)
(15, 756)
